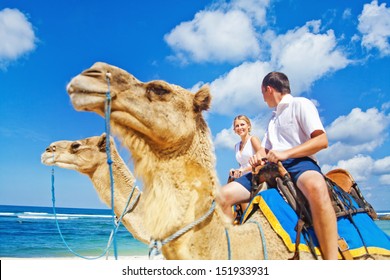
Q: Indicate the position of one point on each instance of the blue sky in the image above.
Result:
(336, 53)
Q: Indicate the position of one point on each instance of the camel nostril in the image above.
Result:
(51, 149)
(92, 73)
(69, 89)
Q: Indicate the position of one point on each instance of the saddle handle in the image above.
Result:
(283, 172)
(256, 169)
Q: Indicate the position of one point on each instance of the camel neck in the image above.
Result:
(123, 180)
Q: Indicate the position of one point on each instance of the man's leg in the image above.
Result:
(314, 187)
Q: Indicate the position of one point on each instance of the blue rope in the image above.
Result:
(156, 245)
(228, 242)
(113, 232)
(116, 223)
(58, 226)
(262, 238)
(109, 160)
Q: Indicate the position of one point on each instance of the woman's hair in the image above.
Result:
(244, 118)
(278, 81)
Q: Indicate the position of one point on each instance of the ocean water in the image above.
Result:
(31, 232)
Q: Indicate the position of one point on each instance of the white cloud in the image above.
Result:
(359, 127)
(303, 54)
(382, 166)
(239, 91)
(358, 132)
(374, 24)
(306, 55)
(225, 139)
(385, 180)
(385, 106)
(347, 14)
(17, 36)
(340, 150)
(255, 9)
(215, 36)
(226, 32)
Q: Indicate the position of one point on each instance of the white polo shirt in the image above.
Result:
(291, 124)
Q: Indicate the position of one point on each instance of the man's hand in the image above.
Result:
(275, 156)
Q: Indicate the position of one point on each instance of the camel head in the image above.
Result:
(163, 127)
(150, 118)
(84, 155)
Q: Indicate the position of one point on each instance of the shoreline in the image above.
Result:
(110, 258)
(384, 217)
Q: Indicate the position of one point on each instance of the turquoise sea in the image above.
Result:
(31, 232)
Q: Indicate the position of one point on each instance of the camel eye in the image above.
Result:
(157, 89)
(75, 145)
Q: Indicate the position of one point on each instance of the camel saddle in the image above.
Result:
(271, 173)
(344, 180)
(341, 187)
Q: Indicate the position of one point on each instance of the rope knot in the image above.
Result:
(155, 249)
(155, 245)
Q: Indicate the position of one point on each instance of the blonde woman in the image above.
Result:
(238, 190)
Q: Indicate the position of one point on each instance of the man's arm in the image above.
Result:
(318, 141)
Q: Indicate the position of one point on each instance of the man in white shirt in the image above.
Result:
(295, 133)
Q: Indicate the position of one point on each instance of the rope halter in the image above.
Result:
(156, 245)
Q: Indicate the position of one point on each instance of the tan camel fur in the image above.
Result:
(88, 156)
(163, 127)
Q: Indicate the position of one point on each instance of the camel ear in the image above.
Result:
(102, 143)
(202, 99)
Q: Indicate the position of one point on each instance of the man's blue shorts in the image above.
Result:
(294, 166)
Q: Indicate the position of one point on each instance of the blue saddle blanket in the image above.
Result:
(283, 220)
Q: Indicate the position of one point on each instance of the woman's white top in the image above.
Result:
(243, 156)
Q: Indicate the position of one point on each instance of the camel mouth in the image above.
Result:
(82, 88)
(83, 100)
(47, 159)
(84, 96)
(71, 88)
